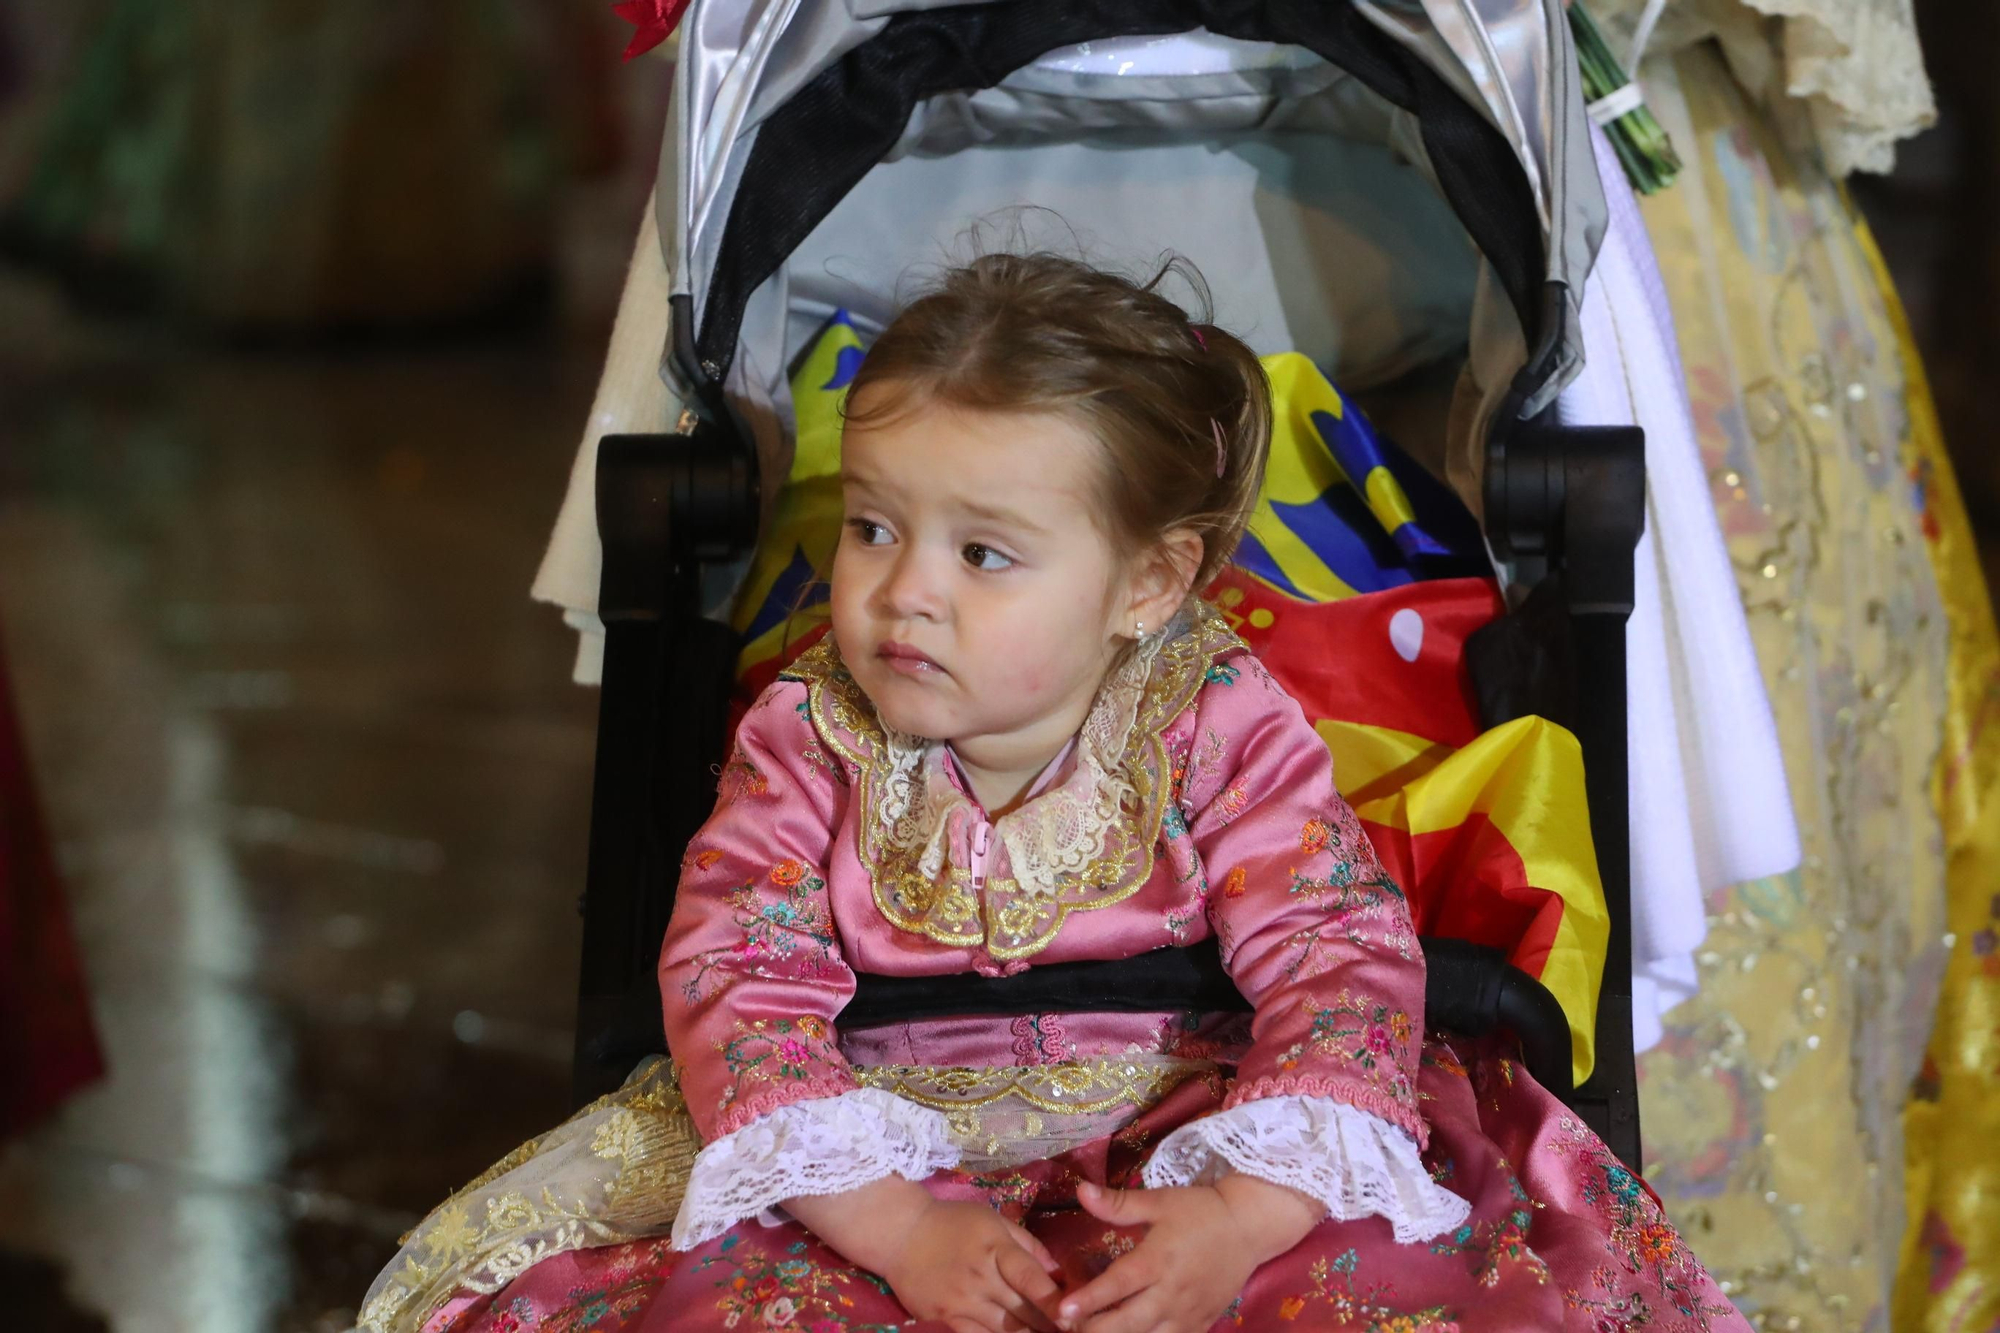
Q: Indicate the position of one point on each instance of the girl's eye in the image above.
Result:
(870, 533)
(986, 558)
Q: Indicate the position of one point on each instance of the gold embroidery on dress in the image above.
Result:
(1100, 1084)
(1008, 1115)
(1084, 845)
(613, 1172)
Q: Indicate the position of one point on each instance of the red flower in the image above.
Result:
(655, 20)
(787, 873)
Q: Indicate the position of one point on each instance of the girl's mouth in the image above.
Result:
(902, 657)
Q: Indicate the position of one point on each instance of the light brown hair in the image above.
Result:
(1045, 333)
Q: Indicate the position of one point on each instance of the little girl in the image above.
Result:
(1026, 742)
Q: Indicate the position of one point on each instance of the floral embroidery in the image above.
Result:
(1437, 1055)
(1214, 752)
(1096, 1256)
(1485, 1245)
(795, 931)
(792, 1293)
(740, 778)
(1352, 892)
(1221, 673)
(1314, 837)
(709, 859)
(1317, 948)
(1334, 1283)
(1234, 883)
(1364, 1033)
(626, 1289)
(781, 1047)
(1642, 1239)
(1006, 1190)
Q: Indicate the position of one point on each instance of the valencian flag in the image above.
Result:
(1358, 582)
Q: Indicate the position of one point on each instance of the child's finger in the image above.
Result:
(1034, 1291)
(1033, 1245)
(1022, 1316)
(1125, 1278)
(1142, 1314)
(1119, 1207)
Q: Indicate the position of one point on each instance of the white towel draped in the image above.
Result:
(1709, 802)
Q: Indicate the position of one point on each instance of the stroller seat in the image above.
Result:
(807, 179)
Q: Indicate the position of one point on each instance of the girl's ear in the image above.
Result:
(1162, 579)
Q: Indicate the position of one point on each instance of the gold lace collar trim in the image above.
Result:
(1085, 844)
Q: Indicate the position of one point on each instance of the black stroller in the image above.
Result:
(817, 150)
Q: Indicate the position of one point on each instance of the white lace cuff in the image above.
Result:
(1355, 1163)
(822, 1145)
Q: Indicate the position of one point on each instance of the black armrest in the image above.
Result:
(666, 504)
(1469, 989)
(1567, 505)
(1472, 989)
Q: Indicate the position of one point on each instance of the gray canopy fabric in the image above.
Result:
(1310, 202)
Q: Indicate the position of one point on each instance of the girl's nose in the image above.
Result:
(912, 590)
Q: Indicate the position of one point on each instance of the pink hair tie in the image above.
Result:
(1195, 329)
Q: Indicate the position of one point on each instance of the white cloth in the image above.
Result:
(630, 397)
(1709, 802)
(822, 1145)
(1357, 1164)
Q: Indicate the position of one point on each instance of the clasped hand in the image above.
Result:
(976, 1272)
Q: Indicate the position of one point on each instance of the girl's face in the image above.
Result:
(975, 599)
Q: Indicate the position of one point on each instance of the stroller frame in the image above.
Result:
(1564, 506)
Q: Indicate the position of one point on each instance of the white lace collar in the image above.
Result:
(1084, 843)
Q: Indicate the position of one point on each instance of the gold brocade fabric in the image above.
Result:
(617, 1170)
(1949, 1280)
(1773, 1109)
(1009, 1115)
(614, 1171)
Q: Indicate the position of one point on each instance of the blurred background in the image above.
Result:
(301, 308)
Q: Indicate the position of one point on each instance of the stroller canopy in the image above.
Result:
(1325, 162)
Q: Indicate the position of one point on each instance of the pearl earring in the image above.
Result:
(1139, 631)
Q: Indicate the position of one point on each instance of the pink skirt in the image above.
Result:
(1561, 1235)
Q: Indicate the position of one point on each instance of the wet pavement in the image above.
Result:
(319, 786)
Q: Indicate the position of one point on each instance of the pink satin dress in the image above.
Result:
(1196, 802)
